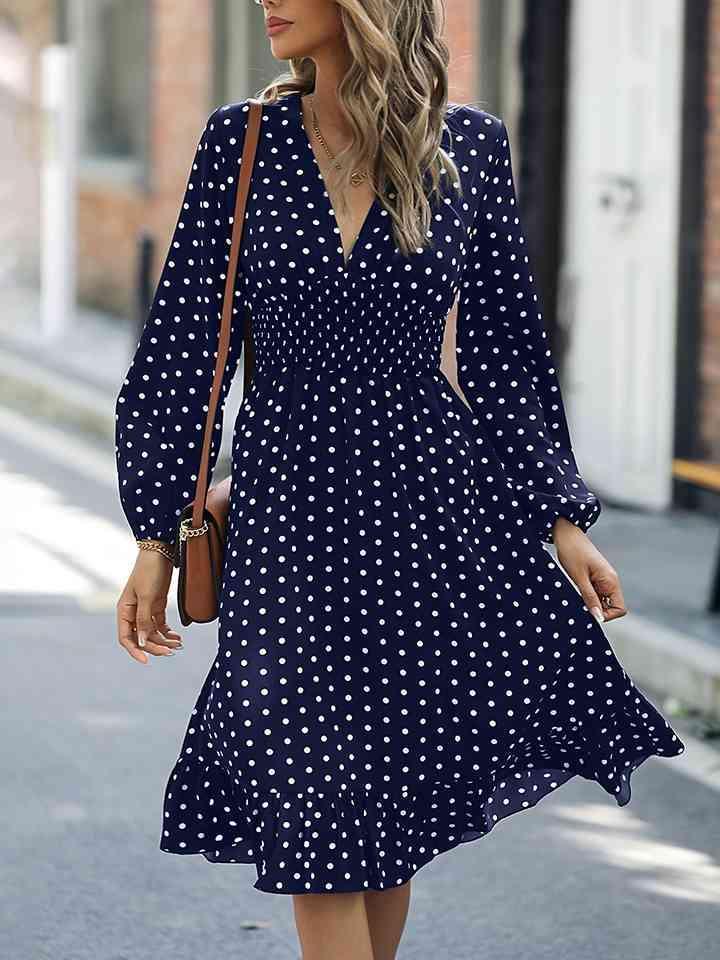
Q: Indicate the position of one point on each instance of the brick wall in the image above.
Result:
(111, 213)
(461, 33)
(111, 217)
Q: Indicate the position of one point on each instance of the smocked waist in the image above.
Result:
(369, 372)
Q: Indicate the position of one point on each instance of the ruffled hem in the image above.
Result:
(365, 839)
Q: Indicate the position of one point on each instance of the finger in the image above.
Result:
(148, 637)
(161, 640)
(144, 623)
(591, 598)
(607, 586)
(125, 613)
(127, 639)
(618, 599)
(166, 631)
(614, 606)
(160, 637)
(126, 629)
(157, 649)
(132, 649)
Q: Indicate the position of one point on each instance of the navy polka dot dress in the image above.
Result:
(401, 663)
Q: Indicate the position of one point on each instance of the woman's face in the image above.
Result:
(313, 24)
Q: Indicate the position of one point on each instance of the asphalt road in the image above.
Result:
(89, 737)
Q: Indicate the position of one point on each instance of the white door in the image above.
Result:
(618, 283)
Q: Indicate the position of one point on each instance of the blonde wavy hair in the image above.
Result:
(395, 95)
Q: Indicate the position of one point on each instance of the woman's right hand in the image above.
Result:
(141, 617)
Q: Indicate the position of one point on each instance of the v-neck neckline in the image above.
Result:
(345, 261)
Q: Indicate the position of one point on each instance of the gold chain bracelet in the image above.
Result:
(159, 545)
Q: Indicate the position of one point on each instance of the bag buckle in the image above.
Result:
(186, 530)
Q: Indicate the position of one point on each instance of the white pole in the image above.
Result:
(59, 190)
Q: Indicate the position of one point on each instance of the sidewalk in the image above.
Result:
(667, 641)
(69, 381)
(72, 381)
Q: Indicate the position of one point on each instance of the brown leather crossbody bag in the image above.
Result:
(201, 531)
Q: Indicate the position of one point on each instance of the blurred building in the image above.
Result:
(613, 114)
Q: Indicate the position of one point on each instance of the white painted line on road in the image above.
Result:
(49, 542)
(27, 564)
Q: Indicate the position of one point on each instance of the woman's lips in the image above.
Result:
(276, 26)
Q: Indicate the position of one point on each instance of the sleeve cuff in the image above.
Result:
(543, 511)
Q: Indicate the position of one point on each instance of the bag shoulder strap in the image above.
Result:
(252, 136)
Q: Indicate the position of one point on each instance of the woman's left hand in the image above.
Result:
(594, 576)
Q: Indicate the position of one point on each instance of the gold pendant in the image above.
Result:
(357, 176)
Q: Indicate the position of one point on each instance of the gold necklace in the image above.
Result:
(357, 176)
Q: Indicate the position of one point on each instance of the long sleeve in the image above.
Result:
(505, 366)
(162, 404)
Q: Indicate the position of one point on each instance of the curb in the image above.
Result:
(670, 662)
(35, 390)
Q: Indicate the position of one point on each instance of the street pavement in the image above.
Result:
(90, 737)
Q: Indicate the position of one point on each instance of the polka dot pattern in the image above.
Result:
(401, 663)
(505, 366)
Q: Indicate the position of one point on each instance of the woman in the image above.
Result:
(401, 663)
